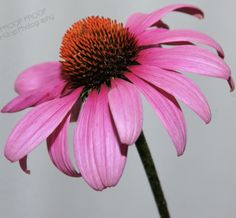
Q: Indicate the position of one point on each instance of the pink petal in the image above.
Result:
(126, 108)
(168, 109)
(33, 98)
(38, 76)
(37, 125)
(134, 19)
(138, 25)
(58, 149)
(186, 58)
(154, 36)
(23, 165)
(99, 154)
(177, 85)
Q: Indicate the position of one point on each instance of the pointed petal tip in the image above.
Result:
(7, 109)
(180, 153)
(180, 149)
(3, 110)
(208, 121)
(208, 116)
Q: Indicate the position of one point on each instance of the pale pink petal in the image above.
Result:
(23, 164)
(139, 25)
(188, 59)
(168, 109)
(33, 98)
(99, 154)
(38, 76)
(154, 36)
(126, 108)
(177, 85)
(58, 149)
(37, 125)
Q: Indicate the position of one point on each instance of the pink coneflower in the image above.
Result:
(104, 68)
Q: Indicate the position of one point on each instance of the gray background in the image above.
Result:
(199, 184)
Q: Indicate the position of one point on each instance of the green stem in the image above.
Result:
(151, 173)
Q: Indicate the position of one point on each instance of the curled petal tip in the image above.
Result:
(23, 165)
(189, 9)
(231, 84)
(28, 172)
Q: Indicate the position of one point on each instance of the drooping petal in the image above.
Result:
(139, 25)
(23, 164)
(84, 151)
(58, 149)
(38, 76)
(33, 98)
(37, 125)
(186, 58)
(99, 154)
(154, 36)
(177, 85)
(168, 109)
(126, 108)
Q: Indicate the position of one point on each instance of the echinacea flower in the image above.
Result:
(104, 68)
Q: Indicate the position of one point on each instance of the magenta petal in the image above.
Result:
(177, 85)
(38, 76)
(186, 58)
(140, 25)
(32, 98)
(58, 149)
(168, 109)
(154, 36)
(126, 108)
(23, 165)
(37, 125)
(99, 154)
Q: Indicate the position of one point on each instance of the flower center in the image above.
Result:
(95, 50)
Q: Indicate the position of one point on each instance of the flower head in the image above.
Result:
(104, 67)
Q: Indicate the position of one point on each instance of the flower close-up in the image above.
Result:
(104, 69)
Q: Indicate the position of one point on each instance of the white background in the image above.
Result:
(200, 184)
